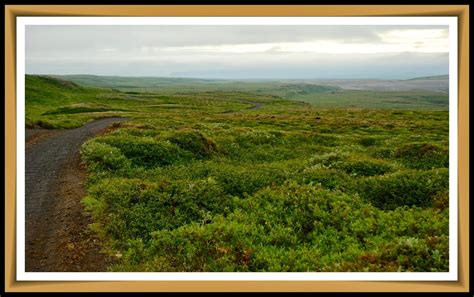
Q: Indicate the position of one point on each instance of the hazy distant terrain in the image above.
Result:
(416, 93)
(432, 83)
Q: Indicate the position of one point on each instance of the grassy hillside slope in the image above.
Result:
(53, 102)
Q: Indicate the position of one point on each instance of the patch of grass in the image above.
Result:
(81, 108)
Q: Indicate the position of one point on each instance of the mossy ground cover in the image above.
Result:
(198, 182)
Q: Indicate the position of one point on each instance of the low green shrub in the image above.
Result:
(350, 164)
(328, 160)
(423, 156)
(252, 138)
(103, 157)
(326, 177)
(147, 151)
(241, 180)
(365, 167)
(368, 141)
(406, 188)
(194, 142)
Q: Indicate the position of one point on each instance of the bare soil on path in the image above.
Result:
(256, 105)
(57, 234)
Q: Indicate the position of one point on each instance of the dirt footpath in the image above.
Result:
(256, 105)
(57, 233)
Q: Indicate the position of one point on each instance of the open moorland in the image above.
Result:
(211, 175)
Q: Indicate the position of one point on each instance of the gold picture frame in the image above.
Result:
(460, 11)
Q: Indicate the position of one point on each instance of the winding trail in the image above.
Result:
(57, 233)
(256, 105)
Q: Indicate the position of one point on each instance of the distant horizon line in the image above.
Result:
(224, 79)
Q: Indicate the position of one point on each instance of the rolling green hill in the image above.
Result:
(53, 102)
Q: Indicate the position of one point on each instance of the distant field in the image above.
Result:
(431, 84)
(420, 93)
(376, 99)
(248, 176)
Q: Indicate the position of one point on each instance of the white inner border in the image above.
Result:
(452, 275)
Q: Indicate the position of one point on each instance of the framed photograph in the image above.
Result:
(237, 148)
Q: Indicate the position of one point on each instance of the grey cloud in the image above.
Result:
(77, 37)
(137, 50)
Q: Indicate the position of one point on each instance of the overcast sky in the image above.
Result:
(276, 52)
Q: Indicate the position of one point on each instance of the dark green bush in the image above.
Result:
(148, 152)
(423, 156)
(103, 157)
(365, 167)
(352, 165)
(328, 178)
(240, 180)
(368, 141)
(407, 188)
(194, 142)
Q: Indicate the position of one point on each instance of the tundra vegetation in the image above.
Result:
(316, 179)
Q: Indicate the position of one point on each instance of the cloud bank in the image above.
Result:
(239, 51)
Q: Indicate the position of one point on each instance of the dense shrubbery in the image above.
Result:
(246, 192)
(131, 208)
(321, 230)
